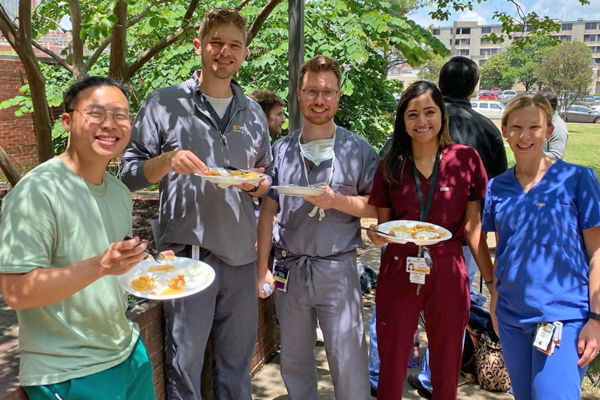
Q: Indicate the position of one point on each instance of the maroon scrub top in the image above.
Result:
(461, 178)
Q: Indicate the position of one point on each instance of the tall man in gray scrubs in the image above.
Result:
(180, 130)
(317, 237)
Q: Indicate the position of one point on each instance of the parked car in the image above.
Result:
(496, 89)
(490, 109)
(581, 114)
(508, 94)
(487, 96)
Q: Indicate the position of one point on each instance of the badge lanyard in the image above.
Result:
(316, 208)
(424, 208)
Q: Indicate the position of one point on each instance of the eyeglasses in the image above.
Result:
(312, 94)
(97, 115)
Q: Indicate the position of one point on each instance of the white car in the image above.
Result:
(508, 95)
(490, 109)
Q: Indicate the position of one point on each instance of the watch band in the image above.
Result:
(254, 189)
(594, 315)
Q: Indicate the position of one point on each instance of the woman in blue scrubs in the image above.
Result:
(546, 214)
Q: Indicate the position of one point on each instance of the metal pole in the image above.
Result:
(296, 59)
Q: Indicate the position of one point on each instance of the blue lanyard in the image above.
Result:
(424, 208)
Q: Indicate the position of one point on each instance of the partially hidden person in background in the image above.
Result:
(546, 213)
(556, 145)
(273, 106)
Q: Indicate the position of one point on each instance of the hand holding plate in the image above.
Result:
(324, 201)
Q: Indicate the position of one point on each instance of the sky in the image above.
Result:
(566, 10)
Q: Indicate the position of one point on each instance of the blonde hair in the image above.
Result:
(222, 16)
(320, 64)
(526, 100)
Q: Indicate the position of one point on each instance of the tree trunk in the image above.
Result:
(118, 45)
(8, 168)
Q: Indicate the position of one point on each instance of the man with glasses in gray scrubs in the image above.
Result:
(180, 130)
(317, 237)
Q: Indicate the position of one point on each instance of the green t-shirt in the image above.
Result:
(52, 219)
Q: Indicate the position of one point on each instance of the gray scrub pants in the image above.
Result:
(327, 288)
(227, 312)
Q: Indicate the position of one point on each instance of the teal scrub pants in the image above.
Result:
(129, 380)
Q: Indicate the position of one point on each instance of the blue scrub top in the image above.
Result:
(543, 268)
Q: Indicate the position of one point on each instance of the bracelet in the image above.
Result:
(594, 315)
(489, 282)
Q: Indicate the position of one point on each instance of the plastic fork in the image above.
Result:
(158, 257)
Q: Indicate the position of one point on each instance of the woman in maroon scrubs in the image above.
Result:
(426, 177)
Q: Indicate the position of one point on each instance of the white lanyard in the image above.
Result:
(304, 161)
(316, 208)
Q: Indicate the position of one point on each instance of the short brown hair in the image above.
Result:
(320, 64)
(526, 100)
(222, 16)
(267, 99)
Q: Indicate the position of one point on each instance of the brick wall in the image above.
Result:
(17, 135)
(149, 316)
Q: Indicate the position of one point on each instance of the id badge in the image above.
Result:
(280, 275)
(417, 277)
(543, 337)
(418, 265)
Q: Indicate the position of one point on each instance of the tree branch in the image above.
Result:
(8, 28)
(58, 25)
(25, 23)
(260, 19)
(92, 60)
(77, 51)
(8, 168)
(185, 21)
(52, 54)
(242, 5)
(155, 49)
(138, 17)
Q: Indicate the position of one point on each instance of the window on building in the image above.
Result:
(462, 42)
(483, 41)
(462, 52)
(463, 31)
(481, 62)
(589, 38)
(488, 52)
(564, 38)
(597, 61)
(566, 27)
(486, 29)
(436, 32)
(591, 25)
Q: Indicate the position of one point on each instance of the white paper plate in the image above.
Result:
(227, 180)
(293, 190)
(403, 238)
(198, 276)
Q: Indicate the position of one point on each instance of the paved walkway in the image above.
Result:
(268, 384)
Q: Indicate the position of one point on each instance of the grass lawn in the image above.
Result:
(583, 146)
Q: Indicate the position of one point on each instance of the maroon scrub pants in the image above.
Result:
(445, 301)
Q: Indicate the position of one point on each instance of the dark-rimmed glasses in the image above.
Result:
(312, 94)
(97, 115)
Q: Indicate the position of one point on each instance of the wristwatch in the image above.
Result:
(254, 189)
(593, 315)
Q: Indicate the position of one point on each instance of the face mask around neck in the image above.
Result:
(318, 151)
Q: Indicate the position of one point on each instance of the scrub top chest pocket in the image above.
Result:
(553, 223)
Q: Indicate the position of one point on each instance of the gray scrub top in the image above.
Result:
(194, 211)
(353, 172)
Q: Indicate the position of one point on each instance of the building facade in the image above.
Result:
(467, 38)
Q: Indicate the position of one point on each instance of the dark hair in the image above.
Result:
(70, 97)
(459, 77)
(551, 96)
(267, 99)
(401, 148)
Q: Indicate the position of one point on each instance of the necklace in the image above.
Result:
(96, 190)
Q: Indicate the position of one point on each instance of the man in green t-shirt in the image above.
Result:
(61, 250)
